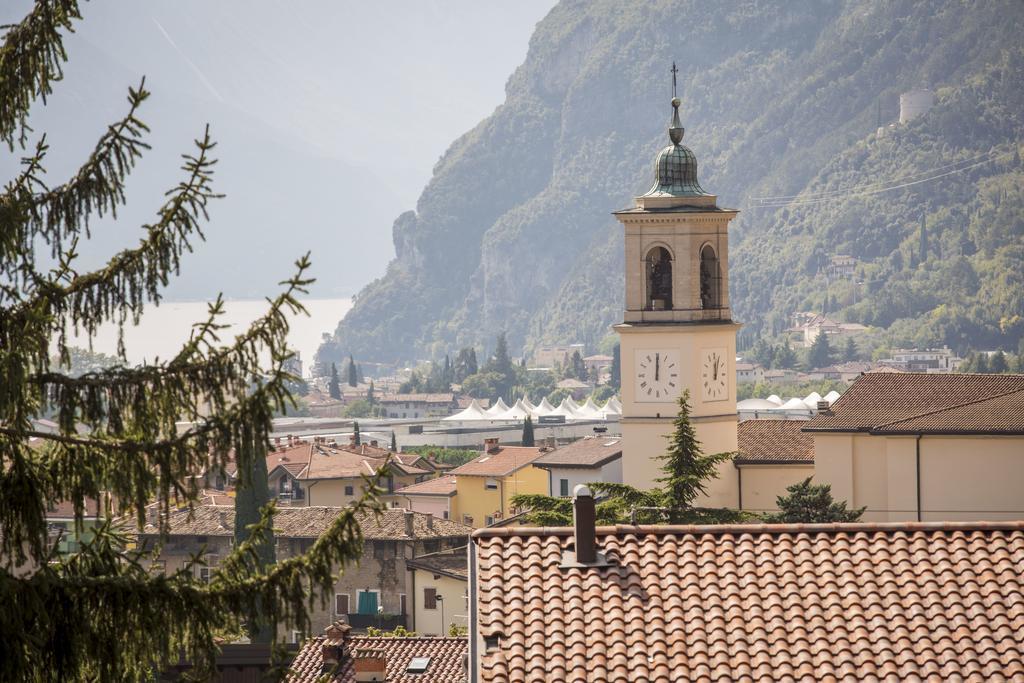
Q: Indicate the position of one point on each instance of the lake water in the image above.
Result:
(162, 330)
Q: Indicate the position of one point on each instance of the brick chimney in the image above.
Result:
(824, 407)
(410, 519)
(369, 665)
(490, 445)
(430, 520)
(373, 443)
(584, 523)
(334, 645)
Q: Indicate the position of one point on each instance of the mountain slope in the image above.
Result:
(514, 230)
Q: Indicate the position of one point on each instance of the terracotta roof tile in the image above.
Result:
(445, 666)
(950, 403)
(590, 451)
(500, 462)
(757, 602)
(774, 441)
(310, 522)
(440, 486)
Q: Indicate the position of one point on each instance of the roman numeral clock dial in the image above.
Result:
(657, 375)
(714, 375)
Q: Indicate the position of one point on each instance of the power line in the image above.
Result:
(842, 194)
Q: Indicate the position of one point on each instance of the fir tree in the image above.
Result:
(850, 350)
(980, 363)
(577, 368)
(615, 376)
(465, 364)
(100, 613)
(998, 364)
(353, 374)
(394, 443)
(687, 469)
(334, 385)
(807, 503)
(371, 397)
(356, 438)
(528, 432)
(785, 357)
(820, 353)
(250, 500)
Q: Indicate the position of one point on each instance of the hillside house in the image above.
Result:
(485, 485)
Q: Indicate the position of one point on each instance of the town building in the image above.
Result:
(418, 406)
(923, 360)
(586, 460)
(773, 454)
(749, 373)
(340, 656)
(841, 267)
(677, 331)
(554, 355)
(379, 580)
(486, 485)
(807, 330)
(598, 362)
(441, 588)
(434, 496)
(903, 601)
(925, 447)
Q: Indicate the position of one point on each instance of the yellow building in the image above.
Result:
(439, 585)
(677, 331)
(925, 447)
(772, 455)
(485, 485)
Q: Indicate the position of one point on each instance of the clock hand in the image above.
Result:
(657, 366)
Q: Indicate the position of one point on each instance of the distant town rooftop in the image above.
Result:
(590, 451)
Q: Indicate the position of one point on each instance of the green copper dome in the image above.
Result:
(675, 168)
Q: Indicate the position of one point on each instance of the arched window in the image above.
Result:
(710, 279)
(659, 279)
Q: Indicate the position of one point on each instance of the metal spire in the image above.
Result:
(675, 130)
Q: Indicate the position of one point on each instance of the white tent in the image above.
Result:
(516, 412)
(544, 408)
(572, 404)
(472, 412)
(752, 404)
(614, 405)
(526, 403)
(793, 404)
(565, 409)
(811, 401)
(774, 398)
(589, 411)
(497, 409)
(832, 396)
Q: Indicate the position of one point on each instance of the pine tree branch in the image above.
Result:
(30, 60)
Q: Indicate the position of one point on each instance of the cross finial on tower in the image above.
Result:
(674, 72)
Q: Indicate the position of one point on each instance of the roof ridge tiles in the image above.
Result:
(926, 413)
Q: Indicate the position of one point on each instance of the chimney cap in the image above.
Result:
(582, 490)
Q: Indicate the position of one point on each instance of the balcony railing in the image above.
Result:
(387, 622)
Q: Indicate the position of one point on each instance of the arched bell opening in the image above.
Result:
(659, 279)
(710, 279)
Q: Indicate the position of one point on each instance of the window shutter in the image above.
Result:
(341, 603)
(430, 598)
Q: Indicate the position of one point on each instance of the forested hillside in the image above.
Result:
(779, 99)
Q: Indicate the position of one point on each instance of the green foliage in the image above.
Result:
(358, 408)
(451, 456)
(334, 385)
(997, 364)
(576, 368)
(353, 373)
(465, 364)
(394, 443)
(398, 632)
(356, 438)
(615, 378)
(456, 631)
(252, 495)
(528, 431)
(100, 614)
(807, 503)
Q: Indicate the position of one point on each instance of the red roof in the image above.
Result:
(756, 602)
(774, 441)
(499, 462)
(445, 665)
(441, 486)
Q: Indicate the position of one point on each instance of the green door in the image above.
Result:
(367, 602)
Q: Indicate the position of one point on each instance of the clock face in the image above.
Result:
(657, 375)
(714, 375)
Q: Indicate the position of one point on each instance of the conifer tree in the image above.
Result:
(100, 614)
(356, 438)
(820, 353)
(850, 351)
(615, 374)
(807, 503)
(528, 432)
(353, 374)
(371, 396)
(250, 501)
(998, 364)
(334, 385)
(394, 443)
(980, 363)
(578, 369)
(785, 357)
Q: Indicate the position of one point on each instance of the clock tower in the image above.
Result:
(677, 331)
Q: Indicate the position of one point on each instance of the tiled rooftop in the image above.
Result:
(445, 666)
(500, 462)
(311, 522)
(590, 451)
(757, 603)
(439, 486)
(929, 403)
(774, 441)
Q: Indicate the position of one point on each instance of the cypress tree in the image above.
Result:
(353, 374)
(394, 443)
(615, 378)
(998, 364)
(334, 385)
(100, 613)
(357, 439)
(528, 432)
(820, 353)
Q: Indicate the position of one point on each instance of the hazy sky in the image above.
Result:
(330, 116)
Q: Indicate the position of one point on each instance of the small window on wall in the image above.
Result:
(350, 490)
(488, 520)
(467, 519)
(402, 607)
(429, 598)
(341, 604)
(491, 484)
(563, 487)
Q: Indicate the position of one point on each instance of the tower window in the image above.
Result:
(710, 279)
(659, 279)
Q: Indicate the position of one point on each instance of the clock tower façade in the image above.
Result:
(677, 331)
